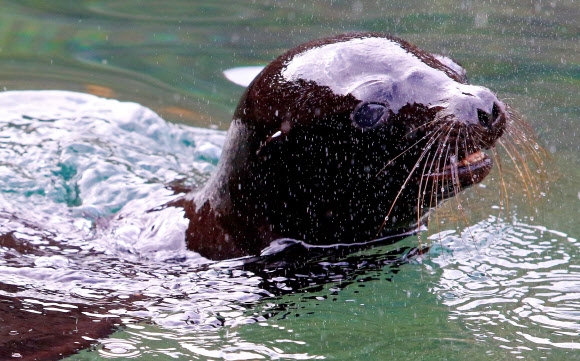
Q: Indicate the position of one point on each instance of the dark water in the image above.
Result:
(505, 288)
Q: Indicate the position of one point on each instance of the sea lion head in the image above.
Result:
(354, 137)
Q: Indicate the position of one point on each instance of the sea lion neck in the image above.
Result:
(226, 220)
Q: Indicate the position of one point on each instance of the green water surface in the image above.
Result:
(170, 55)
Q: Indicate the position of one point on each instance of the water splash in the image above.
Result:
(78, 176)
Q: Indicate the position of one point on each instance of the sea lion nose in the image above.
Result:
(476, 105)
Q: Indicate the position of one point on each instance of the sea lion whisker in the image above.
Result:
(424, 182)
(457, 188)
(503, 196)
(519, 130)
(439, 151)
(413, 130)
(443, 147)
(523, 170)
(524, 140)
(410, 147)
(453, 159)
(421, 194)
(445, 183)
(436, 159)
(519, 139)
(469, 137)
(417, 163)
(533, 183)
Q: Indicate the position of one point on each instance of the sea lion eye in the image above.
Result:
(367, 115)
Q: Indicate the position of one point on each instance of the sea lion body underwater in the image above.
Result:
(346, 139)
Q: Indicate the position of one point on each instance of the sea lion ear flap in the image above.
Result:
(453, 65)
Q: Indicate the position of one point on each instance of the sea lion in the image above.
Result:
(346, 139)
(339, 141)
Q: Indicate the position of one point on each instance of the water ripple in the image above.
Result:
(515, 275)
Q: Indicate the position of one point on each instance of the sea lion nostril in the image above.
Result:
(485, 118)
(495, 112)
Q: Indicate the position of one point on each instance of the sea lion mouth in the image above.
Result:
(464, 173)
